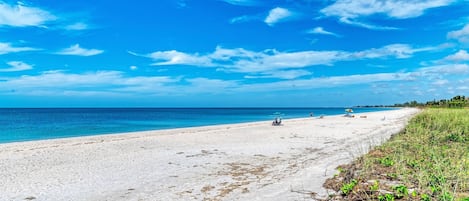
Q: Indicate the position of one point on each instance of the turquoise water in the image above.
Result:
(49, 123)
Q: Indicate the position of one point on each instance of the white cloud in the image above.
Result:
(6, 48)
(277, 15)
(454, 69)
(16, 66)
(266, 62)
(242, 2)
(59, 83)
(461, 55)
(133, 67)
(174, 57)
(107, 83)
(461, 35)
(91, 83)
(394, 50)
(399, 9)
(320, 30)
(348, 11)
(22, 15)
(78, 51)
(325, 82)
(77, 26)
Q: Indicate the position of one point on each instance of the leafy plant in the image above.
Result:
(425, 197)
(401, 191)
(414, 193)
(347, 188)
(386, 161)
(386, 197)
(375, 186)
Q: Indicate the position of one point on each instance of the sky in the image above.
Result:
(232, 53)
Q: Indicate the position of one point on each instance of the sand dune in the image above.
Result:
(249, 161)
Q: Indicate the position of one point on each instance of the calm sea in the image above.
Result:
(48, 123)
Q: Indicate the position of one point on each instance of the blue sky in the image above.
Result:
(231, 53)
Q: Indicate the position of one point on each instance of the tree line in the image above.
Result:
(455, 102)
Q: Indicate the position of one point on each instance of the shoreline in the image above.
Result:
(156, 120)
(246, 161)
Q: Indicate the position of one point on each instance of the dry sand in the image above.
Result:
(248, 161)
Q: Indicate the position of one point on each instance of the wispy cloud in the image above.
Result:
(394, 50)
(181, 3)
(79, 51)
(22, 15)
(242, 2)
(351, 11)
(448, 69)
(277, 15)
(354, 22)
(282, 74)
(90, 83)
(77, 26)
(320, 30)
(16, 66)
(244, 18)
(174, 57)
(6, 48)
(461, 35)
(461, 55)
(264, 63)
(106, 83)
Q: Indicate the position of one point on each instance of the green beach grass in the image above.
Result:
(429, 160)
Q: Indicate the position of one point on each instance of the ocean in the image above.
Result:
(26, 124)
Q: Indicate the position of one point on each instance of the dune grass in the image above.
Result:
(429, 160)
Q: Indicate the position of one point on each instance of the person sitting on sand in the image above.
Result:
(277, 121)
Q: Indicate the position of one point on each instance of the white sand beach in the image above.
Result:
(248, 161)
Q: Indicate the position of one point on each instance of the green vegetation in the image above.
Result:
(455, 102)
(348, 187)
(429, 160)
